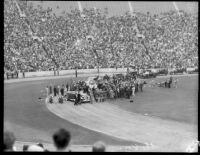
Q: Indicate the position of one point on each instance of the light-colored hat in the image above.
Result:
(35, 148)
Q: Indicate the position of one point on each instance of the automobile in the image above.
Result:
(162, 71)
(147, 74)
(178, 71)
(71, 96)
(133, 73)
(121, 76)
(192, 70)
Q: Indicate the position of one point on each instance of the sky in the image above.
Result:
(120, 7)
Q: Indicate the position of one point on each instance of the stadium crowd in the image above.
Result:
(35, 39)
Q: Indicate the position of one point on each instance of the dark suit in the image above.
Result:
(55, 91)
(62, 91)
(50, 90)
(67, 86)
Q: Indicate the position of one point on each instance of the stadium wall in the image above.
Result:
(72, 72)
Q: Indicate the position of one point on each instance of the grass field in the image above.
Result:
(30, 119)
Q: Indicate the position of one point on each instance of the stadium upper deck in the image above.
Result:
(120, 7)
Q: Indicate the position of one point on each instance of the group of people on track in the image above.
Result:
(124, 86)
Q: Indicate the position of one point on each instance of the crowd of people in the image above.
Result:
(61, 140)
(36, 39)
(97, 89)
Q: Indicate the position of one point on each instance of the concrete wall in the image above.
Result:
(72, 72)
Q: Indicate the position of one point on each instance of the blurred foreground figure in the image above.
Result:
(61, 139)
(8, 141)
(99, 147)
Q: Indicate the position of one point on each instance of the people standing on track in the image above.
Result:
(62, 90)
(133, 93)
(141, 83)
(76, 73)
(54, 70)
(166, 82)
(76, 101)
(55, 91)
(47, 91)
(7, 74)
(170, 82)
(23, 73)
(136, 87)
(50, 89)
(67, 86)
(58, 71)
(175, 82)
(58, 90)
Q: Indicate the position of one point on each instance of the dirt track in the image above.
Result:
(112, 120)
(153, 129)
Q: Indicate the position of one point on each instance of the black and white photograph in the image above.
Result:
(100, 76)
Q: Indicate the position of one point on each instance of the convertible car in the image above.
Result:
(71, 96)
(147, 74)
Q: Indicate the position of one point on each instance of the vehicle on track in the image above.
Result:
(71, 96)
(147, 74)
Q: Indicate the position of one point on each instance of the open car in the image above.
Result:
(162, 71)
(178, 71)
(71, 96)
(192, 70)
(147, 74)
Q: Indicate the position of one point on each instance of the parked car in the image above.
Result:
(71, 96)
(147, 74)
(192, 70)
(178, 71)
(12, 74)
(162, 71)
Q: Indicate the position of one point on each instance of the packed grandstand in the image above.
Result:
(36, 39)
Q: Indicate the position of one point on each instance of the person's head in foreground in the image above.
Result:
(61, 139)
(99, 147)
(8, 141)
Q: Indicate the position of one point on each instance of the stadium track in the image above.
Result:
(26, 117)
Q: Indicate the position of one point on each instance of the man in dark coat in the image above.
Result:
(67, 86)
(141, 86)
(62, 90)
(7, 74)
(55, 91)
(76, 99)
(136, 87)
(170, 82)
(76, 73)
(79, 98)
(50, 89)
(23, 73)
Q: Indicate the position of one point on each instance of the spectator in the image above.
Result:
(99, 147)
(35, 148)
(61, 139)
(41, 43)
(9, 140)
